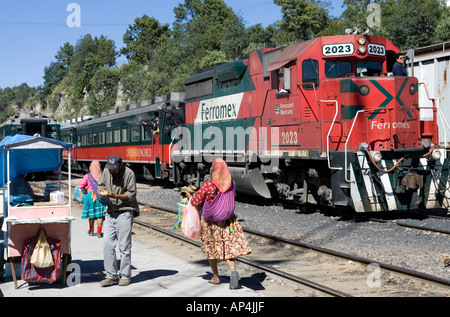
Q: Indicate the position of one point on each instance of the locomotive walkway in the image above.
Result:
(154, 274)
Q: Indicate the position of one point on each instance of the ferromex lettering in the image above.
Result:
(387, 125)
(217, 109)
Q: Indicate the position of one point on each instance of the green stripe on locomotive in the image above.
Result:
(222, 80)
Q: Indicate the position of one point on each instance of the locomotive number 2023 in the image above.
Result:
(289, 137)
(338, 49)
(376, 49)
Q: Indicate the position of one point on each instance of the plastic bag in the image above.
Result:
(191, 226)
(42, 255)
(79, 195)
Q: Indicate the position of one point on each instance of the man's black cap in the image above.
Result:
(113, 162)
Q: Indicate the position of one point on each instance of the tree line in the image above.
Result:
(84, 78)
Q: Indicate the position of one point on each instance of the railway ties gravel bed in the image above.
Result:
(347, 276)
(383, 242)
(389, 243)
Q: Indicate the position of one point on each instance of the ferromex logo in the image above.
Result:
(218, 109)
(387, 125)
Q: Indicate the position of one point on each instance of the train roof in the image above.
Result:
(27, 116)
(174, 98)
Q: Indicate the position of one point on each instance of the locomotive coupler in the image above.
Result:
(411, 181)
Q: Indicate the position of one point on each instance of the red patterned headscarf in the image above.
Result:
(221, 176)
(96, 170)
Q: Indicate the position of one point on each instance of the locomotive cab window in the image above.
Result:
(310, 74)
(281, 80)
(369, 68)
(337, 69)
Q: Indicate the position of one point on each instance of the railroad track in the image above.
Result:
(364, 217)
(292, 261)
(310, 260)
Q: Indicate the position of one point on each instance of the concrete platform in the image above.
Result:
(154, 274)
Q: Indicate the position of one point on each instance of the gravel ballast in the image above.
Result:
(384, 242)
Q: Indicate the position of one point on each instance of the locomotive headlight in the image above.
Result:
(412, 89)
(377, 157)
(364, 90)
(436, 155)
(362, 41)
(361, 49)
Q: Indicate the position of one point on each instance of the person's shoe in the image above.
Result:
(124, 282)
(100, 235)
(109, 282)
(234, 280)
(91, 233)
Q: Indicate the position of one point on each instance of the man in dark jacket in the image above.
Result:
(399, 66)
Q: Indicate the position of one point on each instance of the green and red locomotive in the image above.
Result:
(319, 122)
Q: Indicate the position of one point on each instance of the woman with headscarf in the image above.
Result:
(222, 240)
(93, 207)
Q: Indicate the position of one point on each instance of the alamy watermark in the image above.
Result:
(235, 144)
(74, 18)
(374, 278)
(374, 18)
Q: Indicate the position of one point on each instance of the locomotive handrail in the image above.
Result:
(329, 132)
(170, 154)
(346, 143)
(426, 90)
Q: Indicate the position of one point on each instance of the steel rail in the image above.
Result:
(394, 268)
(291, 277)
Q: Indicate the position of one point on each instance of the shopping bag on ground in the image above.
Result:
(42, 255)
(190, 225)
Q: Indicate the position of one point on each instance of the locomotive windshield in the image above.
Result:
(369, 68)
(339, 68)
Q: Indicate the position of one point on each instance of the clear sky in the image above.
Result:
(32, 32)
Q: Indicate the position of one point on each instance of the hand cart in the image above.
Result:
(22, 154)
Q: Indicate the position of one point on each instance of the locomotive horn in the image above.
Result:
(365, 30)
(351, 31)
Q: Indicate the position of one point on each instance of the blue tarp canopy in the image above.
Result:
(28, 154)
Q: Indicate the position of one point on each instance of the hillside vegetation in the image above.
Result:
(84, 78)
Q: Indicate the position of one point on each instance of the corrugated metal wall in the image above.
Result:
(432, 67)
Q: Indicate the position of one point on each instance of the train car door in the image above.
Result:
(34, 126)
(156, 143)
(165, 127)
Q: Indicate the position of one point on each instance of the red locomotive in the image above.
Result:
(318, 122)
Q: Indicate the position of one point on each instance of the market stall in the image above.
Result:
(29, 221)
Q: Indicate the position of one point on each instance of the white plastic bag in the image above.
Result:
(42, 255)
(191, 226)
